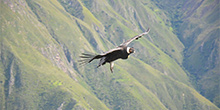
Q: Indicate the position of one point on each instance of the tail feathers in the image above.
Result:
(86, 58)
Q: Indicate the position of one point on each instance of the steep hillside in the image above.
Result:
(197, 25)
(203, 48)
(34, 73)
(41, 42)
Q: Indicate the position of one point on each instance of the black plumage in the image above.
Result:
(120, 52)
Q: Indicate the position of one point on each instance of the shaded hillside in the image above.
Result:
(203, 47)
(197, 25)
(41, 42)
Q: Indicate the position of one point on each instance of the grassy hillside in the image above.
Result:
(204, 48)
(41, 42)
(34, 68)
(197, 25)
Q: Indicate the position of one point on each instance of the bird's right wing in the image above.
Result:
(135, 38)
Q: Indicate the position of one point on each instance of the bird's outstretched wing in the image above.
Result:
(135, 38)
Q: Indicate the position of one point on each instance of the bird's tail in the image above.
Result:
(86, 58)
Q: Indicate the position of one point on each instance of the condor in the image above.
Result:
(120, 52)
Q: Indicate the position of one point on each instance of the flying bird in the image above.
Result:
(120, 52)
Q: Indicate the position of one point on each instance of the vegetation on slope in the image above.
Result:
(197, 25)
(30, 79)
(41, 42)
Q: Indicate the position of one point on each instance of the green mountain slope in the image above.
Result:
(30, 79)
(41, 41)
(197, 25)
(204, 49)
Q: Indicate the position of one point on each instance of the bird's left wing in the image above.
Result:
(135, 38)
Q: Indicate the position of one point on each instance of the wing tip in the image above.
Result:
(148, 30)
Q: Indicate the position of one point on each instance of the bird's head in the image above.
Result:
(130, 50)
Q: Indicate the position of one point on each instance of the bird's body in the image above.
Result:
(120, 52)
